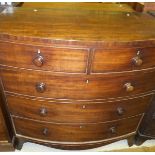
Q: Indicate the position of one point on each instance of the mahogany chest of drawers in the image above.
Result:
(74, 78)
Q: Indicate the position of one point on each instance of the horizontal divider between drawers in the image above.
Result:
(75, 123)
(3, 66)
(81, 101)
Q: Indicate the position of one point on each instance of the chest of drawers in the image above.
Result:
(73, 81)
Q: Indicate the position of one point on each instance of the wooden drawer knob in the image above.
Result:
(120, 111)
(113, 130)
(45, 131)
(43, 111)
(137, 61)
(129, 87)
(38, 60)
(40, 87)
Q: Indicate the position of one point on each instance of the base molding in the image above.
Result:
(19, 141)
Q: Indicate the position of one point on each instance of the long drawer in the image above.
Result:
(123, 59)
(55, 59)
(75, 132)
(44, 84)
(76, 112)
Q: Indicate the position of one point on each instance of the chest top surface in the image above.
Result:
(76, 23)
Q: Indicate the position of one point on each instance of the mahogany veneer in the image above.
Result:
(5, 136)
(122, 59)
(87, 87)
(67, 133)
(76, 111)
(56, 59)
(5, 141)
(76, 78)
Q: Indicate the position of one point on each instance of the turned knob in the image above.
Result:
(113, 130)
(38, 60)
(43, 111)
(129, 87)
(137, 61)
(40, 87)
(120, 111)
(45, 131)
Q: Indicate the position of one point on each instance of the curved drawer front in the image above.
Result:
(44, 84)
(44, 58)
(123, 60)
(75, 132)
(75, 112)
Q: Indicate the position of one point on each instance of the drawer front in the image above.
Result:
(53, 59)
(44, 84)
(123, 60)
(75, 112)
(75, 132)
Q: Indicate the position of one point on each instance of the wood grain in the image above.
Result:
(3, 129)
(121, 59)
(84, 72)
(76, 112)
(55, 59)
(5, 138)
(77, 24)
(81, 6)
(74, 132)
(77, 86)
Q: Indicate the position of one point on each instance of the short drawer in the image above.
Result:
(75, 132)
(44, 58)
(123, 60)
(76, 112)
(45, 84)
